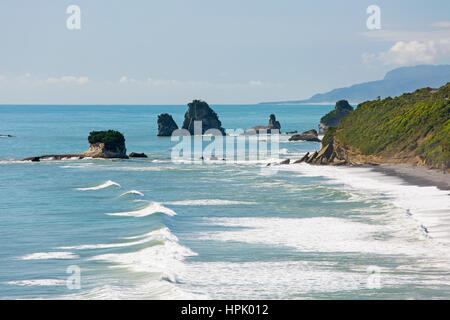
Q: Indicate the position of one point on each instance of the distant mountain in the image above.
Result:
(395, 83)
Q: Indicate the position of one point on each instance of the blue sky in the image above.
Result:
(227, 51)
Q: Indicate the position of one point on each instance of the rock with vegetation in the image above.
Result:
(274, 126)
(310, 135)
(200, 111)
(413, 128)
(332, 119)
(166, 125)
(102, 144)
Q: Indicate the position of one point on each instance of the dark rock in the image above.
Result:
(273, 125)
(137, 155)
(6, 136)
(332, 119)
(303, 159)
(287, 161)
(310, 135)
(292, 132)
(200, 111)
(166, 125)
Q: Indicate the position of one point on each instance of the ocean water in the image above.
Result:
(157, 229)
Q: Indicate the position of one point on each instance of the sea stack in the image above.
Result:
(166, 125)
(106, 144)
(200, 111)
(273, 125)
(332, 119)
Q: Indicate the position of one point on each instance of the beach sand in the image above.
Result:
(417, 175)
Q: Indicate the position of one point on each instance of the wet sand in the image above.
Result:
(416, 175)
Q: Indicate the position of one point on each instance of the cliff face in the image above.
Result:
(200, 111)
(99, 150)
(413, 128)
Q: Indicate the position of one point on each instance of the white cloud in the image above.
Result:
(255, 83)
(410, 47)
(68, 80)
(411, 52)
(441, 24)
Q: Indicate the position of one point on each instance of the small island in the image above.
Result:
(102, 144)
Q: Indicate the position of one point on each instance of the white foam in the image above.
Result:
(160, 235)
(104, 185)
(151, 208)
(49, 255)
(428, 206)
(133, 192)
(38, 282)
(209, 202)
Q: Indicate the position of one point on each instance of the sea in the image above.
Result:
(159, 228)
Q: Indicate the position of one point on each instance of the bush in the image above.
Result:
(111, 138)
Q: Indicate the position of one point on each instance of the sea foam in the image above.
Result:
(104, 185)
(150, 208)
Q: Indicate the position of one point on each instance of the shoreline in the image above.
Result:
(416, 175)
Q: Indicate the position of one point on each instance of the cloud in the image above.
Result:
(68, 80)
(411, 52)
(441, 24)
(255, 83)
(2, 77)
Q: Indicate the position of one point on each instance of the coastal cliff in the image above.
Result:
(413, 128)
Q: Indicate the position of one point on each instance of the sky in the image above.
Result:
(221, 51)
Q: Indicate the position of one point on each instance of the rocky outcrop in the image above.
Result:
(332, 119)
(326, 156)
(102, 144)
(310, 135)
(6, 136)
(166, 125)
(200, 111)
(137, 155)
(274, 126)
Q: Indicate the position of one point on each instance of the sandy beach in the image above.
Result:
(417, 175)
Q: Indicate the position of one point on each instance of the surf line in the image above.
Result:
(193, 310)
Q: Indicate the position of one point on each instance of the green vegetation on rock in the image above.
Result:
(329, 136)
(112, 139)
(413, 125)
(342, 109)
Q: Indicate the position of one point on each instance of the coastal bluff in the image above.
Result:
(411, 129)
(102, 144)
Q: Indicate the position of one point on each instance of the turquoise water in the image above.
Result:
(206, 229)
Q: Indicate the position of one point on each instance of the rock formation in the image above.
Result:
(332, 119)
(6, 136)
(137, 155)
(200, 111)
(166, 125)
(310, 135)
(102, 144)
(273, 125)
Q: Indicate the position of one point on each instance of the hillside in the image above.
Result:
(395, 83)
(413, 128)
